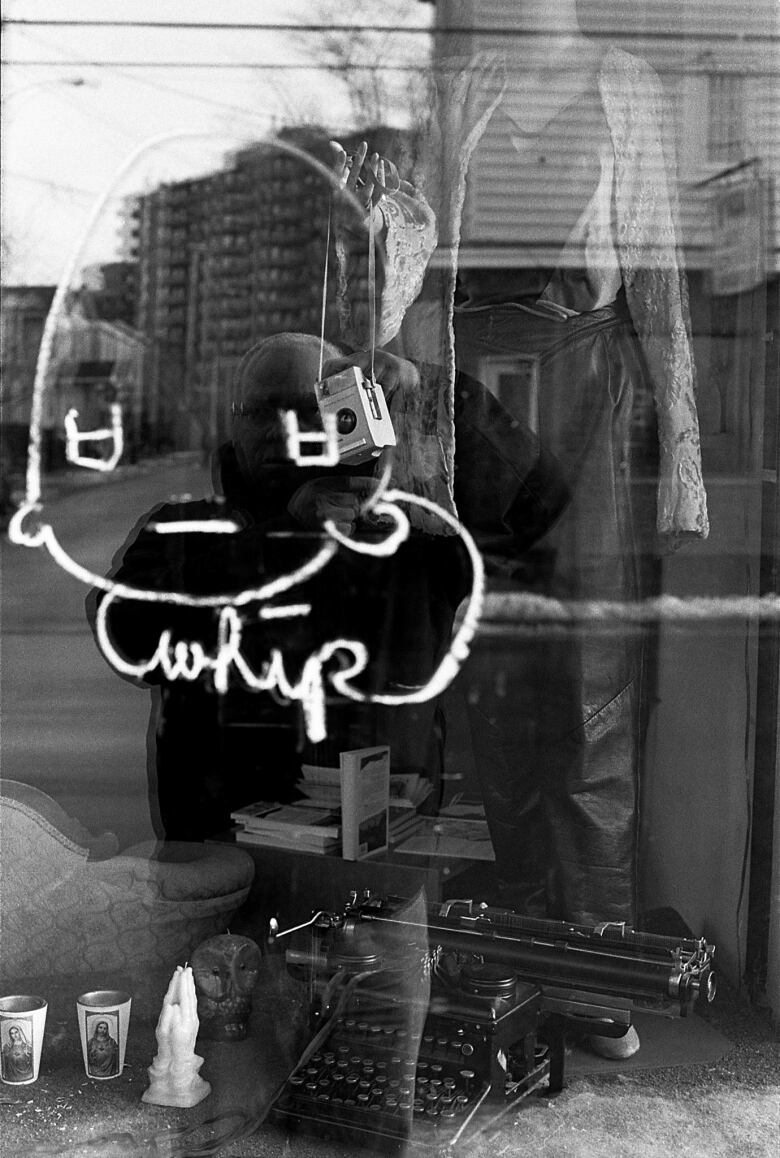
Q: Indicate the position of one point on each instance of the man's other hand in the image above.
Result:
(339, 499)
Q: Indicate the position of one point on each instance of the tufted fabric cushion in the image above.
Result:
(147, 908)
(188, 871)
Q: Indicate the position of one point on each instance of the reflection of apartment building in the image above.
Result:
(223, 261)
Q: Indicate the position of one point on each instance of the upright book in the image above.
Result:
(365, 795)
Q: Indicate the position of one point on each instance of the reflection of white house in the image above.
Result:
(94, 362)
(718, 65)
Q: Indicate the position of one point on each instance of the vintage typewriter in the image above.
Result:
(430, 1023)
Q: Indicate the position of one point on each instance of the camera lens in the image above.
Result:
(346, 420)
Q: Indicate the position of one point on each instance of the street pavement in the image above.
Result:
(70, 725)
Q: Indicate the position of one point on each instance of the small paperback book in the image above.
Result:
(365, 795)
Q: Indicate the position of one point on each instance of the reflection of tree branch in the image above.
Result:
(359, 56)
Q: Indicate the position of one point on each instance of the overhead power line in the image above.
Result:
(223, 64)
(403, 29)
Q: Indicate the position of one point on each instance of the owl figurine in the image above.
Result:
(225, 970)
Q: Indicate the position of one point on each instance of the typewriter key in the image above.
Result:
(363, 1100)
(441, 1043)
(467, 1076)
(449, 1083)
(437, 1069)
(461, 1101)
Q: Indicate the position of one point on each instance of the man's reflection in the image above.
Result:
(216, 752)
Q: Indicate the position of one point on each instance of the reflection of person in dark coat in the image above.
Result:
(102, 1053)
(17, 1057)
(217, 752)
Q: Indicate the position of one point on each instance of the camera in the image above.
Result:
(363, 425)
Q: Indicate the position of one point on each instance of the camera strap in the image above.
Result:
(325, 288)
(371, 286)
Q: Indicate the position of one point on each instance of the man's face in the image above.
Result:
(258, 431)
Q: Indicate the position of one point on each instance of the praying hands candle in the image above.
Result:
(173, 1075)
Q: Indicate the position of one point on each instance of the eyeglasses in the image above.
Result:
(241, 410)
(272, 409)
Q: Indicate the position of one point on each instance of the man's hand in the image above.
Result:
(339, 499)
(391, 372)
(367, 178)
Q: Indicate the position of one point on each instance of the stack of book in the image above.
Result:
(294, 826)
(322, 786)
(356, 809)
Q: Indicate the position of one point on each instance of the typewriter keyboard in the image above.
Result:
(364, 1077)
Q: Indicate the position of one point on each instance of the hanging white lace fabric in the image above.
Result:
(645, 239)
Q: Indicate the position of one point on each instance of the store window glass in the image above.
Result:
(391, 529)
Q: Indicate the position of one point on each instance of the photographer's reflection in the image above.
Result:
(216, 752)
